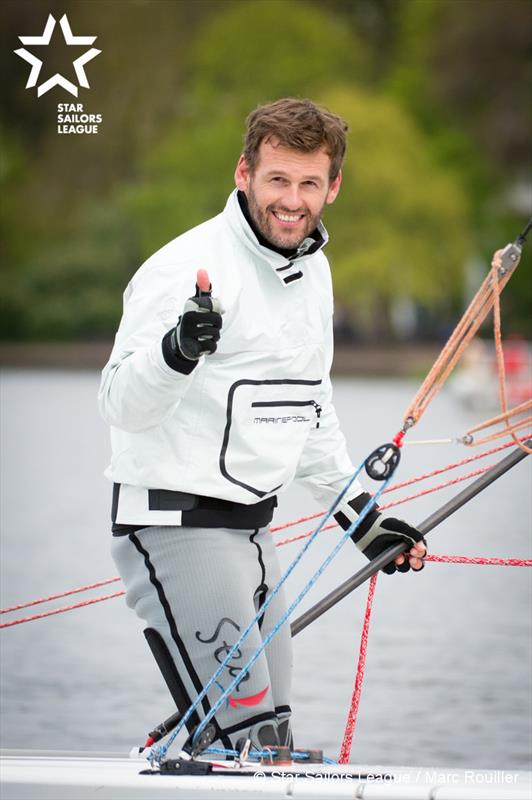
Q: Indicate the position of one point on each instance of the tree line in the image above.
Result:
(436, 95)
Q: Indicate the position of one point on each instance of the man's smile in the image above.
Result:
(288, 219)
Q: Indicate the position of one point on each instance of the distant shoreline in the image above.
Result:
(403, 360)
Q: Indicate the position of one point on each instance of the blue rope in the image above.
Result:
(222, 751)
(157, 753)
(296, 755)
(265, 642)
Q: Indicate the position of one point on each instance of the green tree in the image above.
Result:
(464, 71)
(174, 82)
(14, 163)
(257, 51)
(399, 228)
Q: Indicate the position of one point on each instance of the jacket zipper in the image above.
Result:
(276, 403)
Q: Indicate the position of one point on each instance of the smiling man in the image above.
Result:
(217, 402)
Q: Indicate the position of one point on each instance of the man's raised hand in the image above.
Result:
(198, 328)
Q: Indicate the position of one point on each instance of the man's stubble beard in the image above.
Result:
(262, 221)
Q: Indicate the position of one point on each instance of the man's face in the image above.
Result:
(287, 192)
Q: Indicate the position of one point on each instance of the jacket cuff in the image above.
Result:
(174, 360)
(350, 511)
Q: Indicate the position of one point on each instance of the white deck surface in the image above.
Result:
(32, 775)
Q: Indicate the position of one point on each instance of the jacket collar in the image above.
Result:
(287, 269)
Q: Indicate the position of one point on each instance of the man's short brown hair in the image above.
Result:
(299, 124)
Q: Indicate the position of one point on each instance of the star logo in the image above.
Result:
(57, 79)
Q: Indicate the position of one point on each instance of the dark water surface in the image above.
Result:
(449, 660)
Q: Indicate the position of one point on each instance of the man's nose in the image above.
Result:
(292, 198)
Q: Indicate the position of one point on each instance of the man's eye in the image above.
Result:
(278, 179)
(311, 183)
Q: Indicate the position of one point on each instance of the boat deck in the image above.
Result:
(42, 775)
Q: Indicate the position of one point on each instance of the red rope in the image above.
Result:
(436, 488)
(347, 741)
(393, 502)
(402, 484)
(60, 610)
(272, 530)
(460, 463)
(495, 562)
(61, 594)
(276, 528)
(501, 562)
(345, 750)
(305, 535)
(278, 544)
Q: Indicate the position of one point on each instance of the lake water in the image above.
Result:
(448, 676)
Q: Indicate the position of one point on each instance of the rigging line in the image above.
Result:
(158, 753)
(465, 438)
(60, 610)
(408, 482)
(427, 525)
(404, 484)
(522, 236)
(291, 523)
(453, 349)
(275, 529)
(246, 667)
(452, 482)
(60, 594)
(453, 465)
(486, 297)
(491, 562)
(501, 368)
(500, 562)
(407, 498)
(347, 741)
(521, 408)
(433, 441)
(497, 435)
(345, 750)
(63, 609)
(164, 728)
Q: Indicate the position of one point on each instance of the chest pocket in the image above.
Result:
(266, 429)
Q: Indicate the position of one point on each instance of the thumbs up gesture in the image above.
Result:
(198, 328)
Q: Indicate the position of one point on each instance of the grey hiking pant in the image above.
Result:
(197, 589)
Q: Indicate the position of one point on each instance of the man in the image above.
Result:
(213, 416)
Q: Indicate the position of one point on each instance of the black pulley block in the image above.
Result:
(195, 745)
(383, 461)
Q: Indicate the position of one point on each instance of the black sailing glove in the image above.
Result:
(197, 331)
(377, 533)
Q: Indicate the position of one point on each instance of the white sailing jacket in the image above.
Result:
(252, 416)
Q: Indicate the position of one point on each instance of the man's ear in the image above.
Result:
(242, 174)
(334, 188)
